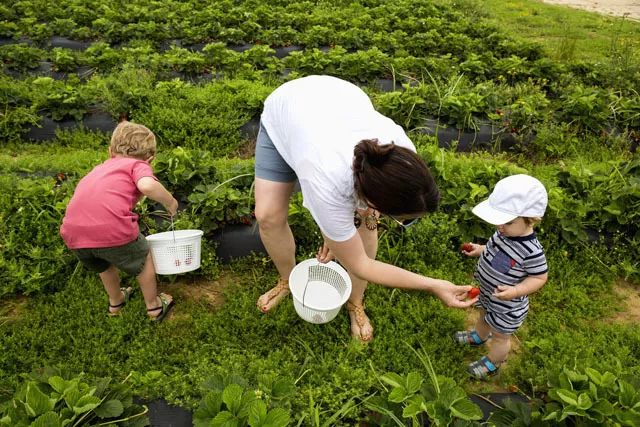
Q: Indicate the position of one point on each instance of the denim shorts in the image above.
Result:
(269, 163)
(130, 257)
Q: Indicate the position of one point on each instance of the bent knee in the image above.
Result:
(269, 218)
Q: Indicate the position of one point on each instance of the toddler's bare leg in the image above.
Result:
(482, 328)
(149, 285)
(111, 282)
(499, 347)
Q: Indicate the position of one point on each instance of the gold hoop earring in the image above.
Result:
(371, 222)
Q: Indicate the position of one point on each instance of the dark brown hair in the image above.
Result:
(393, 179)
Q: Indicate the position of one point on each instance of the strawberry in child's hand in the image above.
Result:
(474, 292)
(467, 247)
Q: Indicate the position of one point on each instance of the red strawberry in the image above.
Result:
(187, 261)
(177, 263)
(467, 247)
(474, 292)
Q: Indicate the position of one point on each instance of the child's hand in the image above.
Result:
(506, 293)
(172, 207)
(471, 249)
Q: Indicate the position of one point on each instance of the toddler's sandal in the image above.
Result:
(482, 368)
(127, 296)
(469, 337)
(165, 308)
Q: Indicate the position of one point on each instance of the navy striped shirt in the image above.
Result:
(507, 261)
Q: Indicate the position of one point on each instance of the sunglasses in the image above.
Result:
(406, 223)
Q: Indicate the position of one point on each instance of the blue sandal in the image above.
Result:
(165, 307)
(482, 368)
(469, 337)
(127, 296)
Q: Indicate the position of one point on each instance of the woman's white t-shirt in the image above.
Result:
(315, 122)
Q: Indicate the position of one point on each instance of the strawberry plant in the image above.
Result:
(53, 398)
(230, 401)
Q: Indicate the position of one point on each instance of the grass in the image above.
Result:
(567, 33)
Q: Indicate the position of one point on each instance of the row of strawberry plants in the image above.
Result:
(354, 64)
(417, 27)
(225, 105)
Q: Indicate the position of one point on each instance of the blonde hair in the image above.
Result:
(530, 222)
(133, 140)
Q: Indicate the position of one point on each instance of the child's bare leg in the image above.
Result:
(149, 286)
(482, 328)
(111, 281)
(499, 348)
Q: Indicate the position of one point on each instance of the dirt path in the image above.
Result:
(630, 8)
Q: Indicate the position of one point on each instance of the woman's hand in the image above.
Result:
(452, 295)
(325, 254)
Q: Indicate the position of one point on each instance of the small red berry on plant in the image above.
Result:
(474, 292)
(513, 388)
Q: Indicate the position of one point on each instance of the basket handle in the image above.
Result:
(173, 230)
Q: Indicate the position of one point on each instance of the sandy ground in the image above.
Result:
(630, 8)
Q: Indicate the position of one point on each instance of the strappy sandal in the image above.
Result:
(127, 296)
(469, 337)
(360, 317)
(165, 307)
(282, 287)
(482, 368)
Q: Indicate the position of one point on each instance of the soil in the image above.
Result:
(628, 8)
(629, 294)
(207, 293)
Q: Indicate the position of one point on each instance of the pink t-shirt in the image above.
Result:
(99, 214)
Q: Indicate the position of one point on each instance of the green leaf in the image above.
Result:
(414, 381)
(257, 413)
(594, 375)
(48, 419)
(86, 404)
(232, 397)
(58, 384)
(283, 388)
(393, 379)
(584, 401)
(603, 407)
(110, 409)
(416, 405)
(567, 397)
(466, 409)
(37, 403)
(225, 419)
(277, 417)
(398, 394)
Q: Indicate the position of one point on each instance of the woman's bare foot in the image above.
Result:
(270, 299)
(360, 324)
(116, 306)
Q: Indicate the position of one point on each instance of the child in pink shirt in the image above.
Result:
(100, 227)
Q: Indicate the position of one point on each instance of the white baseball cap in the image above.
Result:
(512, 197)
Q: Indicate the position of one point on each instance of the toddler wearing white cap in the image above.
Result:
(512, 266)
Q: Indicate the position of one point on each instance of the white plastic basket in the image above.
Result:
(319, 290)
(175, 252)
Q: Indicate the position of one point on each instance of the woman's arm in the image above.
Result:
(352, 255)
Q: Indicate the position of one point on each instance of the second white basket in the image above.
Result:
(176, 252)
(319, 290)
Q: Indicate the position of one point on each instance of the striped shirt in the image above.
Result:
(507, 261)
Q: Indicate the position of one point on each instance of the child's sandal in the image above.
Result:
(469, 337)
(482, 368)
(127, 296)
(164, 308)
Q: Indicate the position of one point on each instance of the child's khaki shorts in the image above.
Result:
(129, 258)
